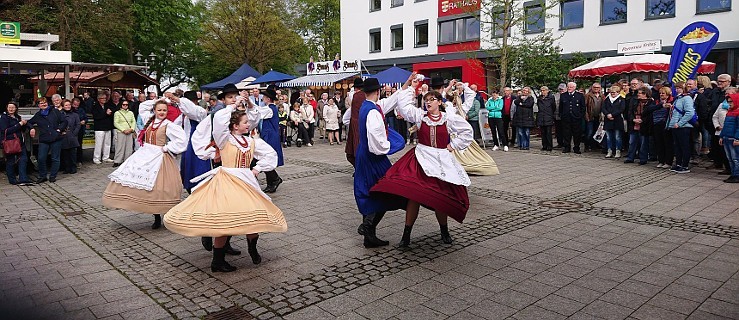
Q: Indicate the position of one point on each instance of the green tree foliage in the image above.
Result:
(536, 61)
(249, 31)
(319, 24)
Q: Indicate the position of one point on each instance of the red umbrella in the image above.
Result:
(630, 64)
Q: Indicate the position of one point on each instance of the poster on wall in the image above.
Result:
(10, 32)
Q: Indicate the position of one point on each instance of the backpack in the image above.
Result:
(693, 121)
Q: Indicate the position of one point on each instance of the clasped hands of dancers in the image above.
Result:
(226, 199)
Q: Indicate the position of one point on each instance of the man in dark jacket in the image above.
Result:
(716, 153)
(572, 112)
(545, 119)
(102, 113)
(523, 118)
(50, 125)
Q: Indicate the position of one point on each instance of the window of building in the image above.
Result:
(571, 14)
(396, 36)
(375, 44)
(396, 3)
(459, 30)
(657, 9)
(612, 11)
(421, 33)
(534, 18)
(375, 5)
(498, 23)
(711, 6)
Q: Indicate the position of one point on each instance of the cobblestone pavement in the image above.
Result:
(554, 236)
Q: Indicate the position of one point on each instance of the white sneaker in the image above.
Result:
(660, 166)
(108, 160)
(618, 154)
(310, 145)
(495, 148)
(96, 162)
(609, 154)
(505, 148)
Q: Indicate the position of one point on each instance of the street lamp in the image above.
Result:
(151, 57)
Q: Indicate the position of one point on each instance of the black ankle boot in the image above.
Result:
(445, 237)
(207, 243)
(375, 221)
(253, 253)
(406, 240)
(157, 222)
(219, 263)
(370, 236)
(229, 249)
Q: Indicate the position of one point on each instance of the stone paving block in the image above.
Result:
(121, 307)
(406, 299)
(53, 296)
(534, 288)
(514, 299)
(430, 288)
(671, 303)
(534, 313)
(649, 312)
(624, 298)
(607, 310)
(312, 312)
(493, 283)
(340, 305)
(151, 312)
(593, 282)
(578, 293)
(422, 312)
(379, 310)
(368, 293)
(721, 308)
(560, 305)
(491, 310)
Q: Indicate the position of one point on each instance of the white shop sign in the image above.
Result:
(640, 47)
(336, 66)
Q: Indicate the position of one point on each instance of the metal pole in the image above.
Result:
(67, 87)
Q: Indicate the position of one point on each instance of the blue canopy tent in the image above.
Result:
(392, 76)
(241, 73)
(273, 77)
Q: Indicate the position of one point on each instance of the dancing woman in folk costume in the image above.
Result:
(149, 181)
(474, 160)
(429, 175)
(227, 200)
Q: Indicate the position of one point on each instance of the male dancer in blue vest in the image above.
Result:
(270, 133)
(376, 142)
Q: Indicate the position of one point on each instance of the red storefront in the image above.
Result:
(459, 31)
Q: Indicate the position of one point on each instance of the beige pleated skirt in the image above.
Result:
(476, 161)
(167, 192)
(224, 206)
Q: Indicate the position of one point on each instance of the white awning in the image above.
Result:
(318, 79)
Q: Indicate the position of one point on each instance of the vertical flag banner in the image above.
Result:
(691, 47)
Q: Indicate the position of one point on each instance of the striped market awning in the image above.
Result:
(318, 79)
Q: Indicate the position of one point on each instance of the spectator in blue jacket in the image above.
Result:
(82, 113)
(49, 125)
(12, 127)
(680, 127)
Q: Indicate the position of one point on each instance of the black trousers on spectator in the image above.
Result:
(496, 126)
(546, 137)
(663, 144)
(303, 133)
(402, 127)
(571, 131)
(681, 146)
(80, 136)
(558, 132)
(311, 132)
(506, 125)
(69, 160)
(719, 158)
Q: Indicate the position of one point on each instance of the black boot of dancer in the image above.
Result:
(253, 253)
(219, 263)
(207, 243)
(229, 249)
(445, 237)
(370, 229)
(375, 222)
(406, 240)
(157, 222)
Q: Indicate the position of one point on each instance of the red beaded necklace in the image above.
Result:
(434, 118)
(244, 143)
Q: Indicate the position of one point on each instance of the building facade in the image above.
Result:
(444, 38)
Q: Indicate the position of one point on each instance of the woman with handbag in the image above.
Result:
(11, 132)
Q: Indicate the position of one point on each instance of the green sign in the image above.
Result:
(10, 32)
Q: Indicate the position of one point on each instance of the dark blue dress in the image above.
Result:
(271, 133)
(190, 165)
(371, 167)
